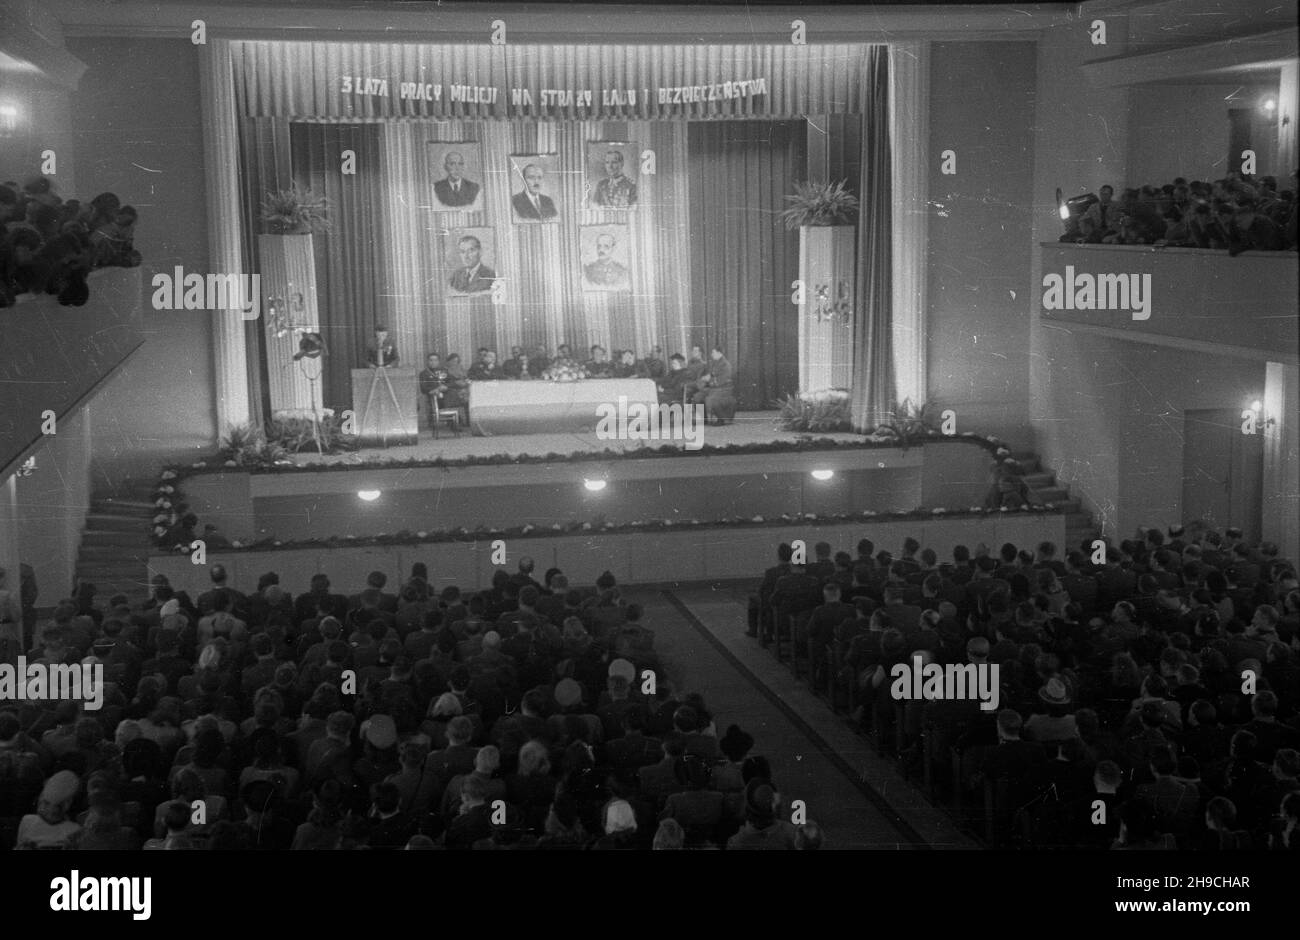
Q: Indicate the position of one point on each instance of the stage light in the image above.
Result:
(1269, 105)
(823, 475)
(1256, 405)
(594, 486)
(8, 119)
(368, 495)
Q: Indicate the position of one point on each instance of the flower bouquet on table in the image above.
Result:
(565, 371)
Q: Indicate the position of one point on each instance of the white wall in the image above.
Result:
(52, 505)
(1182, 130)
(137, 133)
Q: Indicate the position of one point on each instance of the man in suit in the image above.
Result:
(714, 389)
(486, 369)
(531, 205)
(382, 353)
(605, 271)
(616, 191)
(455, 191)
(473, 277)
(673, 384)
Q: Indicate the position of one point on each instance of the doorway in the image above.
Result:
(1223, 470)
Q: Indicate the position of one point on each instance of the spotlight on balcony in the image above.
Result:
(594, 486)
(1071, 211)
(823, 475)
(368, 495)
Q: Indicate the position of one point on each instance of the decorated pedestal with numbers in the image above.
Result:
(287, 265)
(826, 270)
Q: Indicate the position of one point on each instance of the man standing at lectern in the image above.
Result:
(383, 353)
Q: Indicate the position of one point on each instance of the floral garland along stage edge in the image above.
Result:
(168, 499)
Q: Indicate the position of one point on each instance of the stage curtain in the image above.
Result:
(873, 359)
(539, 266)
(744, 259)
(348, 256)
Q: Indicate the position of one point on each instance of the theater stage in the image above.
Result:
(751, 427)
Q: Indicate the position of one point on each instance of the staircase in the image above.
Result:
(115, 543)
(1042, 483)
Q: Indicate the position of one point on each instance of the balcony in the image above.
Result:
(53, 358)
(1199, 299)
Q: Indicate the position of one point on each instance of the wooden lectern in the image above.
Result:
(384, 400)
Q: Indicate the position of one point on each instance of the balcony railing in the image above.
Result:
(52, 358)
(1195, 298)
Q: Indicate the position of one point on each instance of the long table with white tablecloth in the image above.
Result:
(540, 407)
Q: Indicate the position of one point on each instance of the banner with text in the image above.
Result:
(376, 81)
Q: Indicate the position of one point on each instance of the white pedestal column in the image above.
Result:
(826, 267)
(1281, 523)
(288, 268)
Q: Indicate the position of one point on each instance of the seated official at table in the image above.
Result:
(519, 367)
(456, 395)
(433, 383)
(599, 366)
(539, 361)
(486, 369)
(713, 390)
(655, 366)
(673, 385)
(563, 358)
(626, 366)
(696, 365)
(382, 353)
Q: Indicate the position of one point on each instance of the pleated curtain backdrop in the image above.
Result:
(542, 301)
(349, 257)
(873, 388)
(743, 258)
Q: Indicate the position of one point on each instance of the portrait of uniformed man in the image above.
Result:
(460, 165)
(605, 271)
(614, 189)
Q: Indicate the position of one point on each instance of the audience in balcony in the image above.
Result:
(48, 245)
(1232, 214)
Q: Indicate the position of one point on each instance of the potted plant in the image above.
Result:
(825, 215)
(294, 211)
(287, 262)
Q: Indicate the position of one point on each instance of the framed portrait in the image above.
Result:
(535, 185)
(612, 174)
(605, 255)
(471, 260)
(458, 176)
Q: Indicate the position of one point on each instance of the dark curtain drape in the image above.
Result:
(873, 392)
(743, 260)
(349, 261)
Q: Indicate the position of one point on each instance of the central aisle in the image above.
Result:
(859, 801)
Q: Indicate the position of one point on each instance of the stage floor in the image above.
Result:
(752, 427)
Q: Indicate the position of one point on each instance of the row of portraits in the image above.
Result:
(603, 249)
(612, 170)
